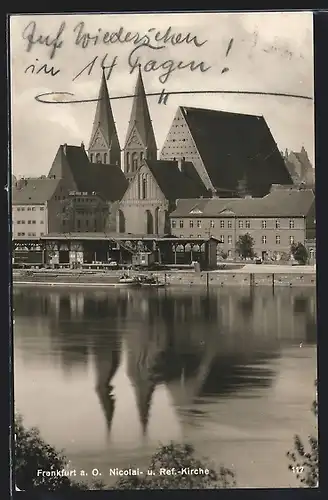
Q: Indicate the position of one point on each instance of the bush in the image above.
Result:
(181, 458)
(33, 453)
(299, 253)
(305, 464)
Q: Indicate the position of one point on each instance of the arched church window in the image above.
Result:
(141, 156)
(98, 158)
(144, 187)
(105, 157)
(91, 158)
(128, 162)
(134, 161)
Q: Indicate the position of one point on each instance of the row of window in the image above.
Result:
(28, 222)
(29, 209)
(241, 224)
(29, 234)
(263, 239)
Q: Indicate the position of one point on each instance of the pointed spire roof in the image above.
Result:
(140, 116)
(104, 119)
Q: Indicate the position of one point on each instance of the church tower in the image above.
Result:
(104, 145)
(140, 139)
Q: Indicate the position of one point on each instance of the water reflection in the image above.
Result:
(200, 346)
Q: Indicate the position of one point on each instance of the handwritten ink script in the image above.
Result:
(154, 40)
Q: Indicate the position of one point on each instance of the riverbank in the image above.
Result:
(248, 275)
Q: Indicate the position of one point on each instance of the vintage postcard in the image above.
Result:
(164, 251)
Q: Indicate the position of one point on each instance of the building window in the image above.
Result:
(291, 240)
(212, 224)
(18, 210)
(222, 238)
(291, 224)
(41, 234)
(22, 221)
(18, 222)
(173, 223)
(29, 222)
(191, 223)
(78, 222)
(264, 224)
(181, 224)
(134, 161)
(278, 240)
(191, 235)
(33, 209)
(28, 209)
(23, 209)
(230, 239)
(33, 221)
(241, 224)
(199, 223)
(264, 240)
(277, 224)
(21, 234)
(222, 224)
(41, 222)
(199, 235)
(41, 209)
(248, 224)
(229, 224)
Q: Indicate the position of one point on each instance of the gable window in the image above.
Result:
(229, 224)
(181, 224)
(199, 223)
(212, 224)
(277, 224)
(291, 224)
(173, 223)
(241, 224)
(264, 224)
(191, 223)
(134, 161)
(222, 224)
(248, 224)
(144, 187)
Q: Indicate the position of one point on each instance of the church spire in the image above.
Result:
(140, 139)
(104, 144)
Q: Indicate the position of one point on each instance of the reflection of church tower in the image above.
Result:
(140, 139)
(107, 362)
(104, 145)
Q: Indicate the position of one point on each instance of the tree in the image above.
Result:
(245, 246)
(33, 453)
(305, 464)
(299, 253)
(181, 458)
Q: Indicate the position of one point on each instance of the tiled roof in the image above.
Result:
(140, 116)
(175, 183)
(236, 146)
(278, 203)
(34, 191)
(106, 180)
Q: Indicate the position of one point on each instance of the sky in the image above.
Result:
(269, 52)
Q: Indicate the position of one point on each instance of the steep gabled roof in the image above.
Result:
(34, 191)
(174, 183)
(278, 203)
(104, 119)
(107, 180)
(235, 146)
(140, 116)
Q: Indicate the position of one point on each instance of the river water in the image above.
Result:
(231, 371)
